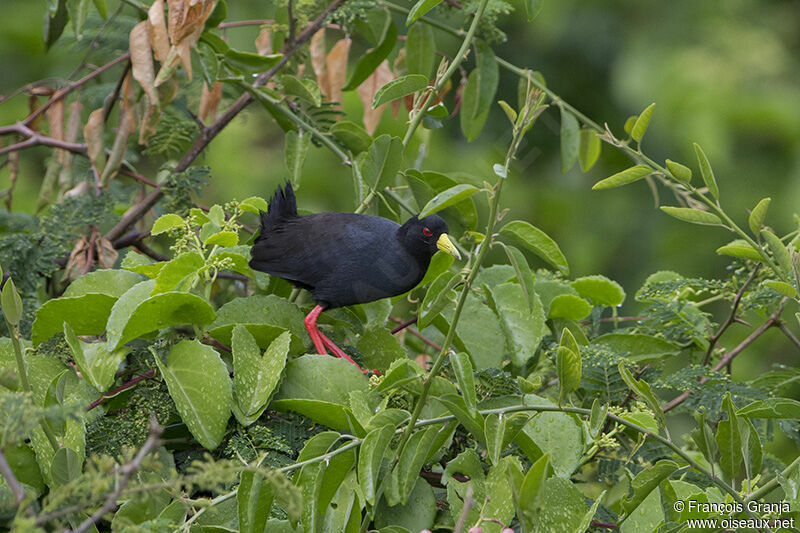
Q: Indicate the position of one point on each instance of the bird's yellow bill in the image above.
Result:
(446, 245)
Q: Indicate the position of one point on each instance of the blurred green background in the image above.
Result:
(723, 74)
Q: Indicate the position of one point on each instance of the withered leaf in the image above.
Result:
(336, 66)
(93, 134)
(366, 93)
(209, 101)
(159, 39)
(142, 60)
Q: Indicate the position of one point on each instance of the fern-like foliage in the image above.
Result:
(175, 133)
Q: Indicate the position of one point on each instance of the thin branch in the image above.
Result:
(125, 386)
(34, 139)
(469, 503)
(418, 335)
(732, 316)
(786, 331)
(11, 479)
(239, 23)
(127, 470)
(403, 325)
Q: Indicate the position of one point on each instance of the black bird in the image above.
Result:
(344, 258)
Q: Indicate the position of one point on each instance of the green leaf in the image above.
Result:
(703, 437)
(741, 249)
(445, 199)
(570, 140)
(523, 326)
(322, 378)
(399, 88)
(297, 144)
(255, 376)
(254, 204)
(478, 95)
(227, 239)
(249, 62)
(101, 7)
(537, 241)
(532, 8)
(642, 389)
(265, 317)
(106, 281)
(440, 262)
(524, 275)
(494, 429)
(508, 110)
(374, 57)
(254, 497)
(96, 363)
(642, 121)
(78, 10)
(597, 419)
(589, 147)
(181, 273)
(478, 332)
(473, 423)
(462, 368)
(199, 384)
(757, 216)
(531, 489)
(55, 20)
(625, 177)
(165, 223)
(570, 307)
(295, 87)
(646, 482)
(637, 348)
(779, 250)
(412, 460)
(694, 216)
(370, 456)
(137, 313)
(382, 162)
(772, 408)
(420, 8)
(436, 298)
(379, 348)
(86, 315)
(11, 302)
(707, 173)
(568, 370)
(209, 63)
(420, 50)
(351, 135)
(600, 290)
(680, 172)
(333, 415)
(558, 435)
(729, 440)
(751, 448)
(781, 287)
(67, 465)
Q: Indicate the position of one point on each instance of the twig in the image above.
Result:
(239, 23)
(786, 331)
(11, 479)
(215, 343)
(127, 470)
(403, 325)
(125, 386)
(418, 335)
(34, 139)
(732, 316)
(469, 502)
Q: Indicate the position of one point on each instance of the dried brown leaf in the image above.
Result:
(209, 101)
(93, 134)
(106, 253)
(78, 259)
(79, 190)
(317, 52)
(336, 66)
(366, 93)
(264, 42)
(159, 39)
(142, 60)
(55, 119)
(70, 135)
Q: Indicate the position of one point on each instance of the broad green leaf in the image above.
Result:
(445, 199)
(420, 8)
(218, 14)
(440, 262)
(255, 376)
(436, 298)
(563, 506)
(181, 272)
(382, 162)
(67, 466)
(772, 408)
(322, 378)
(249, 62)
(537, 241)
(199, 385)
(54, 22)
(478, 95)
(351, 135)
(741, 249)
(523, 326)
(254, 498)
(597, 419)
(333, 415)
(136, 313)
(588, 149)
(371, 454)
(779, 250)
(570, 140)
(729, 440)
(757, 216)
(557, 434)
(426, 185)
(462, 368)
(295, 87)
(166, 223)
(706, 171)
(96, 363)
(78, 10)
(625, 177)
(457, 407)
(646, 482)
(374, 57)
(86, 315)
(418, 514)
(226, 239)
(586, 522)
(524, 274)
(420, 49)
(600, 290)
(106, 281)
(11, 302)
(568, 370)
(494, 429)
(371, 23)
(265, 317)
(702, 436)
(478, 332)
(642, 121)
(530, 493)
(335, 472)
(254, 204)
(297, 144)
(379, 348)
(751, 448)
(570, 307)
(682, 173)
(636, 347)
(208, 61)
(781, 287)
(694, 216)
(412, 460)
(399, 88)
(642, 389)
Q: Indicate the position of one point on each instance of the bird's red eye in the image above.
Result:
(427, 232)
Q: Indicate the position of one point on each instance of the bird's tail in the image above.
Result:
(282, 207)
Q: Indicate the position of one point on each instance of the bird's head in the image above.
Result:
(427, 235)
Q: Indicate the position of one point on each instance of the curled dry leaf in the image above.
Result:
(78, 259)
(317, 52)
(93, 134)
(366, 93)
(127, 124)
(264, 42)
(187, 20)
(55, 119)
(142, 60)
(70, 135)
(209, 101)
(79, 190)
(106, 253)
(159, 39)
(336, 66)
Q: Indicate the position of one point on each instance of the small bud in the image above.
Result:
(507, 530)
(475, 529)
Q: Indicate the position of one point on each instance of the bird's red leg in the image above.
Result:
(313, 332)
(338, 352)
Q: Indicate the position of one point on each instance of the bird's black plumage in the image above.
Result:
(344, 258)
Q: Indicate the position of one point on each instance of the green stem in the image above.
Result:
(459, 57)
(773, 483)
